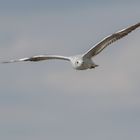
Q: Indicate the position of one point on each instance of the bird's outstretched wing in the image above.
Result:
(108, 40)
(39, 58)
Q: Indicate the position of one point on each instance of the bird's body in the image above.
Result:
(81, 63)
(84, 61)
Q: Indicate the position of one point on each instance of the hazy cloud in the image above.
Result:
(50, 100)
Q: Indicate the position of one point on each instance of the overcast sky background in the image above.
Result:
(49, 100)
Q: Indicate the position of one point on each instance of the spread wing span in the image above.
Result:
(108, 40)
(39, 58)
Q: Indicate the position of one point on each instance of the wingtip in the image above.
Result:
(137, 25)
(12, 61)
(4, 62)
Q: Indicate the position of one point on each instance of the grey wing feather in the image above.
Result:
(39, 58)
(110, 39)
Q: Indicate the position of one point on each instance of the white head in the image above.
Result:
(79, 63)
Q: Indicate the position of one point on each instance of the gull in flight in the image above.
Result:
(84, 61)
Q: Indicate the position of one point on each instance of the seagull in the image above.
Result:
(84, 61)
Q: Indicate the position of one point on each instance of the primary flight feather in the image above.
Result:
(84, 61)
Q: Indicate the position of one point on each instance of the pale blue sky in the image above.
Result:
(50, 100)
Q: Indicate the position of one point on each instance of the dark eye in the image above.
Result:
(77, 62)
